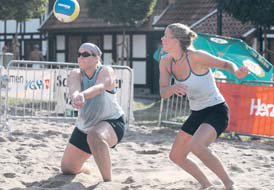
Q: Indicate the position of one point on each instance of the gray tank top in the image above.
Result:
(102, 107)
(202, 91)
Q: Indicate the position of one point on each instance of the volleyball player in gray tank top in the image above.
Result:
(100, 123)
(209, 113)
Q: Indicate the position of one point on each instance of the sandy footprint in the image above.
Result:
(110, 186)
(237, 169)
(9, 175)
(21, 157)
(3, 139)
(129, 180)
(149, 152)
(71, 186)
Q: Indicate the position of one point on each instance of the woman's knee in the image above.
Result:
(173, 157)
(69, 168)
(176, 157)
(200, 150)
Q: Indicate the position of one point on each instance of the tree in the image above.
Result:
(124, 13)
(21, 10)
(258, 12)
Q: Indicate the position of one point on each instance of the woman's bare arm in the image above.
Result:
(74, 82)
(211, 61)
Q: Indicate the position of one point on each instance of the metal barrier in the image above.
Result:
(174, 110)
(3, 88)
(5, 58)
(38, 90)
(125, 90)
(251, 108)
(258, 83)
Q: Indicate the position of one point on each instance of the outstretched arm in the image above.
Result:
(74, 82)
(74, 86)
(210, 61)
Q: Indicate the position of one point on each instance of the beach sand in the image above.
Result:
(30, 159)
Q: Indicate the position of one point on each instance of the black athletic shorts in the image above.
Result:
(79, 139)
(217, 116)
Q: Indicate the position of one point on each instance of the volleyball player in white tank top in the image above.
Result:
(210, 114)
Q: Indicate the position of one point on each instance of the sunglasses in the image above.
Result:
(86, 54)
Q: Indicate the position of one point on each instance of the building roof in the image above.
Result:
(230, 26)
(85, 23)
(188, 12)
(201, 15)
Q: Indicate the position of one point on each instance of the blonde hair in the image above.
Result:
(183, 33)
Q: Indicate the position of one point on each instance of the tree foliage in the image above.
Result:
(22, 10)
(258, 12)
(125, 12)
(122, 12)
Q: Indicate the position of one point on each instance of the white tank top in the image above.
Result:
(202, 91)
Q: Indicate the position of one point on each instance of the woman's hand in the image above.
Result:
(241, 72)
(179, 89)
(78, 100)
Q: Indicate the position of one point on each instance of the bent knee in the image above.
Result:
(69, 169)
(176, 158)
(172, 157)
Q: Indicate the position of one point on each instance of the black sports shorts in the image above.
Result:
(79, 139)
(217, 116)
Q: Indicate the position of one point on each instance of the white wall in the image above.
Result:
(139, 51)
(60, 39)
(107, 42)
(139, 46)
(1, 26)
(60, 45)
(107, 57)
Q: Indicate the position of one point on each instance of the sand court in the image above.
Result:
(30, 159)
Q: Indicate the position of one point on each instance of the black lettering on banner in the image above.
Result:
(61, 82)
(119, 83)
(67, 98)
(16, 79)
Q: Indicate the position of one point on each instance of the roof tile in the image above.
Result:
(190, 11)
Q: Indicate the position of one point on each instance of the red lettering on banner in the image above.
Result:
(47, 83)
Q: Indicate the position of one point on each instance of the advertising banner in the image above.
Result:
(251, 108)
